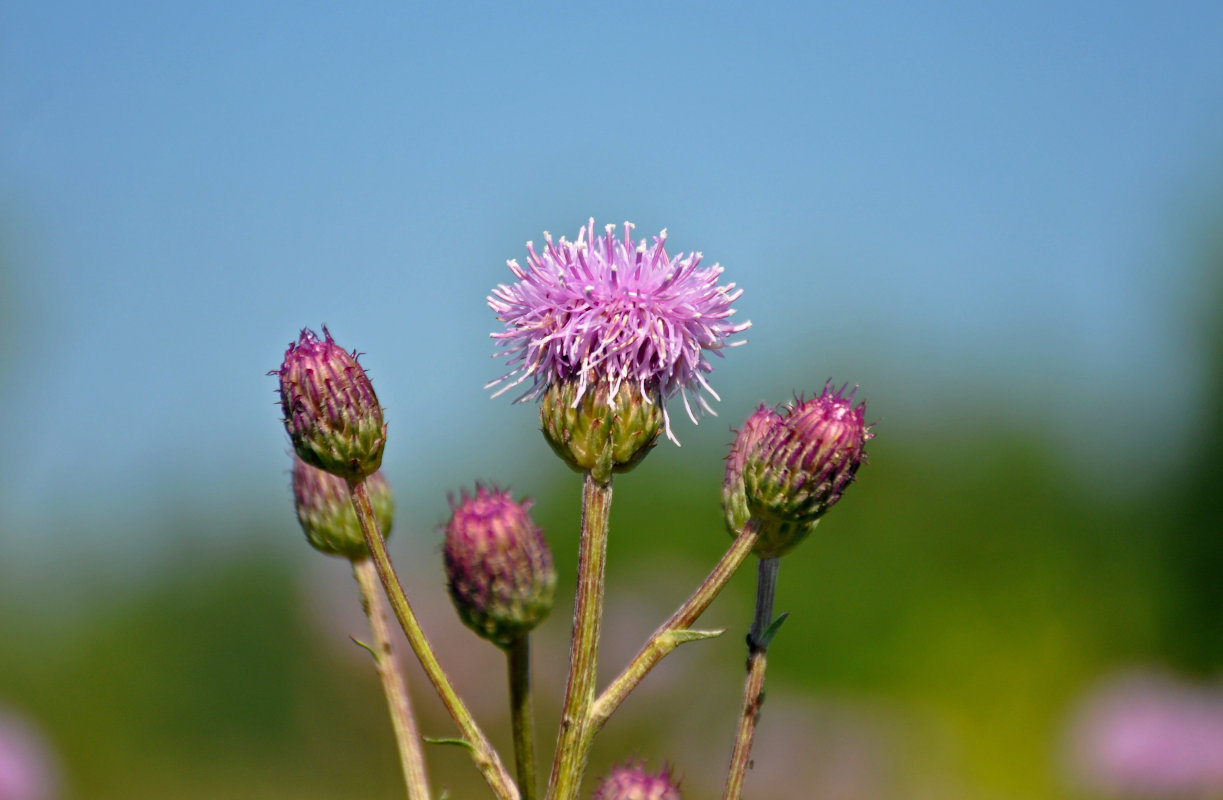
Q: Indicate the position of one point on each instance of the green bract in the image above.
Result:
(599, 433)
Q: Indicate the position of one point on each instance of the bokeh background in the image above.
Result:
(1001, 220)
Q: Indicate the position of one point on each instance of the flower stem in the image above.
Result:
(753, 687)
(573, 741)
(518, 658)
(482, 752)
(663, 640)
(386, 661)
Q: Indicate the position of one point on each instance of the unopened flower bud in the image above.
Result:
(331, 412)
(598, 432)
(789, 466)
(326, 513)
(632, 782)
(734, 501)
(498, 567)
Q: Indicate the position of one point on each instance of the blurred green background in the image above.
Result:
(1002, 221)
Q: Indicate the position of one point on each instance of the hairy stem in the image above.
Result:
(573, 740)
(522, 717)
(663, 640)
(753, 686)
(386, 661)
(482, 752)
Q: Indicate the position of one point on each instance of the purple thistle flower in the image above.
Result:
(632, 782)
(606, 310)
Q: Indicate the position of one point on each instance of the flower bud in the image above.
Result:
(498, 567)
(596, 432)
(789, 466)
(326, 513)
(734, 501)
(331, 412)
(632, 782)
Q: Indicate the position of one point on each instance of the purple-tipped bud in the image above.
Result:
(734, 501)
(632, 782)
(331, 412)
(326, 513)
(789, 466)
(498, 567)
(596, 432)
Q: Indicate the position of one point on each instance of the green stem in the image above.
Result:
(753, 698)
(663, 640)
(573, 741)
(407, 737)
(753, 687)
(482, 752)
(518, 658)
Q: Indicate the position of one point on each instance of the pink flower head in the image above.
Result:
(1149, 735)
(27, 765)
(608, 310)
(633, 782)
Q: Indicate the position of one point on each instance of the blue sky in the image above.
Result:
(944, 202)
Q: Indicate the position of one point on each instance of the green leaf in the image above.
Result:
(676, 638)
(362, 644)
(771, 631)
(457, 742)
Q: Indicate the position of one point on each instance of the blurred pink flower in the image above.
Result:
(1148, 735)
(27, 767)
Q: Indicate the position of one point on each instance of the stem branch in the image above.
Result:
(661, 642)
(518, 657)
(386, 661)
(573, 740)
(482, 752)
(753, 687)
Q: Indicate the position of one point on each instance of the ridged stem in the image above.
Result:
(386, 661)
(664, 640)
(522, 717)
(753, 686)
(573, 740)
(482, 752)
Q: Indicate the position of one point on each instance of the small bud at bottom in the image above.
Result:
(632, 782)
(498, 567)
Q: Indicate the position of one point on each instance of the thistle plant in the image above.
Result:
(602, 332)
(606, 331)
(334, 421)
